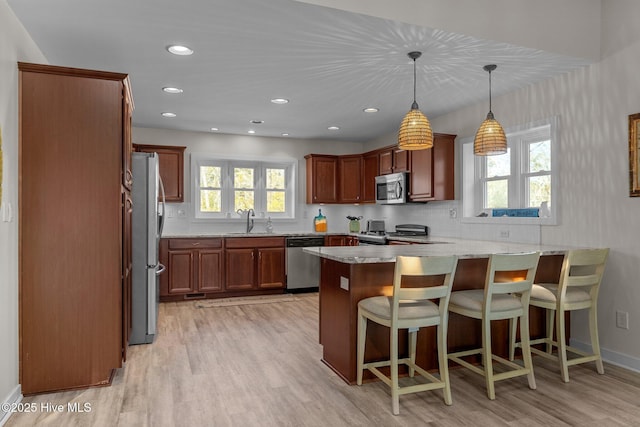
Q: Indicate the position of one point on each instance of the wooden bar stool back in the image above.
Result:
(505, 296)
(578, 287)
(410, 308)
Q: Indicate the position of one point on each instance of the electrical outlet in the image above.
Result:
(453, 213)
(622, 319)
(504, 234)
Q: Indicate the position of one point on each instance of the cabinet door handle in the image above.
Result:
(195, 244)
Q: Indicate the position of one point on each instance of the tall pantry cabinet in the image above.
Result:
(74, 222)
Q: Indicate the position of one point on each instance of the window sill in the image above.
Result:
(508, 220)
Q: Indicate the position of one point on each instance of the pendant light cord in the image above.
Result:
(414, 80)
(490, 92)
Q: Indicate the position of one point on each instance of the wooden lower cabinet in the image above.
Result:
(271, 268)
(255, 263)
(341, 240)
(193, 267)
(220, 267)
(241, 267)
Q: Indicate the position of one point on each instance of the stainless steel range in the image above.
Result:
(410, 230)
(375, 233)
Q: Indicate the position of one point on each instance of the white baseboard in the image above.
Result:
(615, 358)
(14, 397)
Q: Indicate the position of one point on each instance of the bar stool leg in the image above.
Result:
(486, 356)
(395, 396)
(595, 343)
(526, 348)
(362, 337)
(443, 362)
(562, 346)
(413, 337)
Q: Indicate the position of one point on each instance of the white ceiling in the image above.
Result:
(330, 63)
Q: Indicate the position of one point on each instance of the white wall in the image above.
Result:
(15, 45)
(594, 207)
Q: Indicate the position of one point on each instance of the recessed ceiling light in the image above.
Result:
(333, 128)
(285, 134)
(172, 89)
(256, 122)
(168, 114)
(280, 101)
(180, 50)
(371, 110)
(251, 131)
(215, 129)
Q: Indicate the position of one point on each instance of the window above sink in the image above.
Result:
(222, 186)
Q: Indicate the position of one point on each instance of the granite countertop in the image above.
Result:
(439, 246)
(201, 235)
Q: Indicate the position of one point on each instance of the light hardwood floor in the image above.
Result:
(259, 365)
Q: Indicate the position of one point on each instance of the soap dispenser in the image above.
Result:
(269, 226)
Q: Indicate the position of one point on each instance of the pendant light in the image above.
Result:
(415, 130)
(490, 139)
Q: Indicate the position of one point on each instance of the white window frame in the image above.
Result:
(474, 176)
(260, 199)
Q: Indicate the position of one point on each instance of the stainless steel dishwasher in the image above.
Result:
(303, 270)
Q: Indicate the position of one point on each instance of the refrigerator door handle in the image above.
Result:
(160, 269)
(161, 205)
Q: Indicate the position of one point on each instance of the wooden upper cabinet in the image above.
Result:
(370, 169)
(350, 179)
(171, 165)
(393, 159)
(400, 160)
(322, 178)
(433, 171)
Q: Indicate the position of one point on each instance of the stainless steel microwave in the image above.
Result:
(391, 189)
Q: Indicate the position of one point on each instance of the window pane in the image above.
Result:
(539, 190)
(210, 201)
(275, 179)
(276, 201)
(499, 165)
(243, 178)
(243, 200)
(540, 156)
(497, 195)
(210, 176)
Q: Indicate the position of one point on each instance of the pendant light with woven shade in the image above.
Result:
(490, 139)
(415, 130)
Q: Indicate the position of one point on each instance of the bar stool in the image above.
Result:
(577, 289)
(505, 296)
(410, 308)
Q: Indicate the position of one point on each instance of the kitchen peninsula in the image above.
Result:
(350, 274)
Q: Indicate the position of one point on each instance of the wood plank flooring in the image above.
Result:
(259, 365)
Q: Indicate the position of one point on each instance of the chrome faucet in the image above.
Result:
(250, 213)
(250, 222)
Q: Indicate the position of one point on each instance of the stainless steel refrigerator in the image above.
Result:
(147, 223)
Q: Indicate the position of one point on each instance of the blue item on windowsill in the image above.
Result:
(526, 212)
